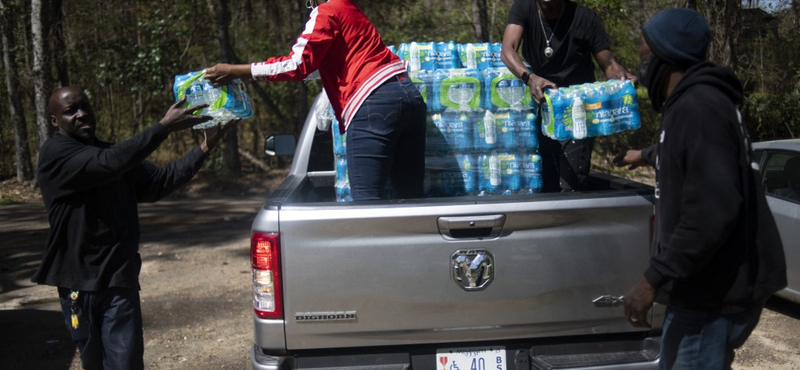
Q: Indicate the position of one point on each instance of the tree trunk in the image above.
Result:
(59, 45)
(480, 20)
(21, 150)
(732, 27)
(230, 156)
(42, 79)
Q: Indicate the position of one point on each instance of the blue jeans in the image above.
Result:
(109, 334)
(704, 340)
(386, 140)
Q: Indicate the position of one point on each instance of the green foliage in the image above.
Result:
(126, 53)
(771, 117)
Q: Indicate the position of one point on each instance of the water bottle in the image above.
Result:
(607, 125)
(484, 136)
(631, 102)
(462, 133)
(531, 173)
(243, 108)
(341, 168)
(446, 55)
(511, 92)
(578, 116)
(548, 114)
(422, 80)
(212, 93)
(435, 143)
(339, 140)
(526, 131)
(561, 118)
(510, 177)
(466, 164)
(472, 62)
(454, 126)
(488, 174)
(598, 120)
(195, 95)
(461, 94)
(343, 191)
(496, 53)
(507, 134)
(413, 57)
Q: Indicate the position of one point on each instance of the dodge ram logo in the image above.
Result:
(472, 269)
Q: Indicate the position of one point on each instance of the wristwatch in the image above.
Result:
(525, 77)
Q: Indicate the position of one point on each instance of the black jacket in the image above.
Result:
(714, 250)
(91, 194)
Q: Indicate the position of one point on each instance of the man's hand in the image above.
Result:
(538, 85)
(625, 75)
(638, 301)
(630, 158)
(211, 137)
(178, 118)
(224, 73)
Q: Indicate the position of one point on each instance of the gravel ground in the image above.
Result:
(196, 292)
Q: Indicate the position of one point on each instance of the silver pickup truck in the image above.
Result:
(514, 282)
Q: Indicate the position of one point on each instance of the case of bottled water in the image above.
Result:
(481, 135)
(226, 102)
(596, 109)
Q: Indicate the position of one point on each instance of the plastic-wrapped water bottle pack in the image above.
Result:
(596, 109)
(226, 103)
(481, 135)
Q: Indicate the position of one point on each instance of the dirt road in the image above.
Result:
(196, 292)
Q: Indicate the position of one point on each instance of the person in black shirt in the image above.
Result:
(559, 39)
(717, 254)
(91, 189)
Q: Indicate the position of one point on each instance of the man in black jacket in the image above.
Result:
(717, 254)
(91, 189)
(558, 39)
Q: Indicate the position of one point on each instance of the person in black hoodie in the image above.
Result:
(717, 255)
(91, 189)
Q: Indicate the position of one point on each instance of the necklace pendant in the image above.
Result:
(548, 52)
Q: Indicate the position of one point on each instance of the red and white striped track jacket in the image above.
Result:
(344, 46)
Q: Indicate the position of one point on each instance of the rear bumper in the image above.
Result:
(617, 353)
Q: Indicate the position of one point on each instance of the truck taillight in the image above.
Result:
(265, 261)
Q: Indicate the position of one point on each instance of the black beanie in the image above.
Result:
(679, 36)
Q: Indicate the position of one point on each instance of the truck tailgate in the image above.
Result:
(488, 268)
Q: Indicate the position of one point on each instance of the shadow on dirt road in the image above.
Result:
(195, 286)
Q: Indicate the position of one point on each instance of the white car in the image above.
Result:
(780, 174)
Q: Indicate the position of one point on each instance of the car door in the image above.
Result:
(781, 181)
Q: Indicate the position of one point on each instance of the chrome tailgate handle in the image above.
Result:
(609, 301)
(471, 227)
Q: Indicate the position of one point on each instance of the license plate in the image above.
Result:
(492, 358)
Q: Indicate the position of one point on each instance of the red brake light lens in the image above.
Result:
(265, 261)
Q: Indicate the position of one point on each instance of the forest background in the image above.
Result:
(125, 54)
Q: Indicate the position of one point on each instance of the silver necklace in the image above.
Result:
(548, 51)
